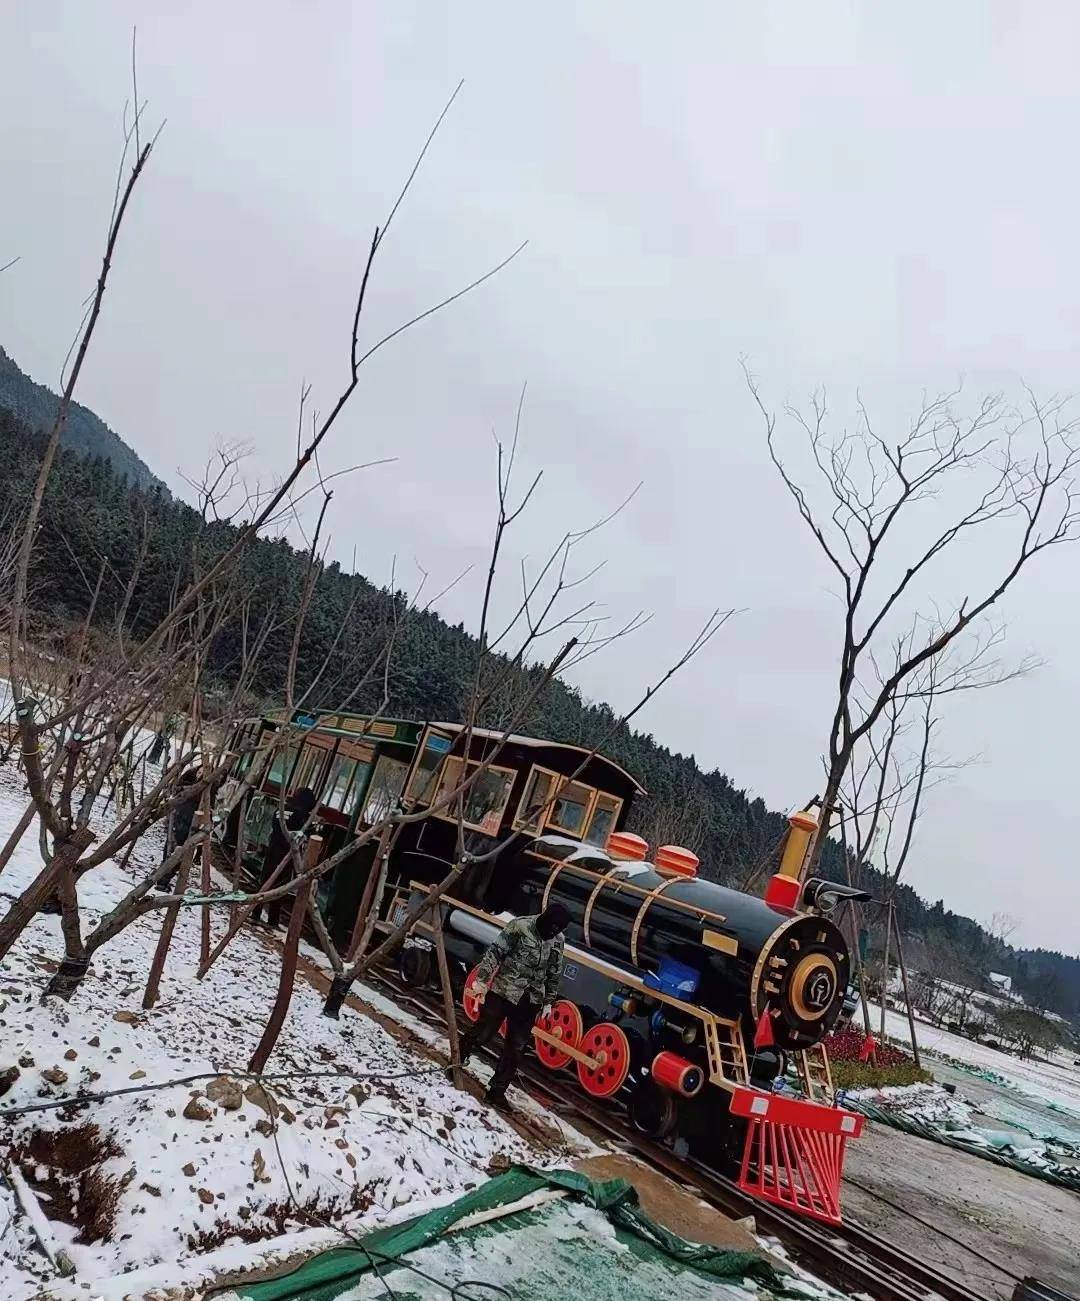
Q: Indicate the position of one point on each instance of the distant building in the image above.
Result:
(1004, 983)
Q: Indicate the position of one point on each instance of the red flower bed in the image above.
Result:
(851, 1046)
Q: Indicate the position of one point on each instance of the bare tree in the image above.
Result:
(897, 763)
(681, 817)
(885, 511)
(81, 716)
(71, 736)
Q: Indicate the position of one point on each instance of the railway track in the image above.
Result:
(848, 1256)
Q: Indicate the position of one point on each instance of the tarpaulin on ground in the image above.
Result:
(995, 1145)
(594, 1241)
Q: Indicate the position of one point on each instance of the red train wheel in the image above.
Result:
(610, 1048)
(471, 1003)
(565, 1023)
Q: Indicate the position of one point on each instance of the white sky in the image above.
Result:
(846, 195)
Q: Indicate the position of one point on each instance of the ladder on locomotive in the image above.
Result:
(815, 1075)
(727, 1053)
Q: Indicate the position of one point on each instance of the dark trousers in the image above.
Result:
(275, 907)
(519, 1023)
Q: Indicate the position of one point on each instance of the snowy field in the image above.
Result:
(1056, 1081)
(132, 1183)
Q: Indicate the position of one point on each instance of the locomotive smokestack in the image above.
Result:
(783, 888)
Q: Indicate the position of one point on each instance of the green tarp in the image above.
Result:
(332, 1273)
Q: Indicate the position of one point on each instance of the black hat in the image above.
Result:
(554, 919)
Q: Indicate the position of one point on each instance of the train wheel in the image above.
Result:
(610, 1047)
(414, 966)
(653, 1111)
(469, 1001)
(565, 1023)
(472, 1004)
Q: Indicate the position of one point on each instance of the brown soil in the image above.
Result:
(679, 1209)
(79, 1193)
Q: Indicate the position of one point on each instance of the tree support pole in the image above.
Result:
(34, 897)
(904, 982)
(288, 965)
(885, 965)
(17, 834)
(168, 924)
(204, 858)
(449, 1014)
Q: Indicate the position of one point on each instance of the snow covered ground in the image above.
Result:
(1056, 1081)
(132, 1183)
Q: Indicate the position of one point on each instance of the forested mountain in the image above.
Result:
(91, 512)
(35, 406)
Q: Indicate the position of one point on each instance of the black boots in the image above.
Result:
(497, 1098)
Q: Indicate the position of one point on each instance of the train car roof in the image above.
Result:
(542, 743)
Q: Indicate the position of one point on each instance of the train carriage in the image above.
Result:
(683, 1001)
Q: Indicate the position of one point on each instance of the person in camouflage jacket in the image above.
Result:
(517, 978)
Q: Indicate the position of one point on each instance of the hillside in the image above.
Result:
(92, 510)
(35, 406)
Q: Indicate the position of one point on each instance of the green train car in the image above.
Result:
(362, 768)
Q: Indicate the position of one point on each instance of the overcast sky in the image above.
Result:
(847, 195)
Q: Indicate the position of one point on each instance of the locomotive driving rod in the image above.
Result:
(556, 1041)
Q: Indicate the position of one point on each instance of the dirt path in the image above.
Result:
(1005, 1224)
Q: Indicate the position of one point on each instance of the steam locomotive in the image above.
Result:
(682, 1001)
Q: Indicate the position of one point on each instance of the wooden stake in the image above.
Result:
(17, 834)
(204, 858)
(372, 886)
(242, 913)
(238, 860)
(35, 896)
(168, 923)
(447, 996)
(904, 982)
(288, 964)
(885, 965)
(860, 975)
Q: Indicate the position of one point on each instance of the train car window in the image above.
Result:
(245, 744)
(282, 763)
(356, 786)
(570, 812)
(384, 792)
(308, 769)
(484, 803)
(535, 800)
(602, 822)
(342, 771)
(257, 822)
(424, 779)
